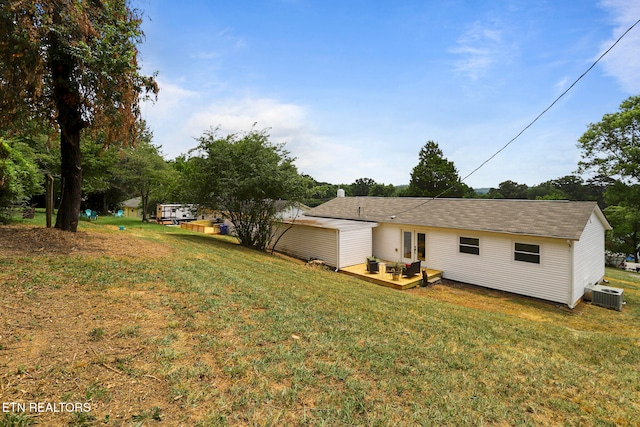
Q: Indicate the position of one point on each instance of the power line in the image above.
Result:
(548, 108)
(533, 121)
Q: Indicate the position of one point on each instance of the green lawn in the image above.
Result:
(195, 330)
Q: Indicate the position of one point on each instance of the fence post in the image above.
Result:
(49, 198)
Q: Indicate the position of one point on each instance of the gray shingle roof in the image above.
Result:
(557, 218)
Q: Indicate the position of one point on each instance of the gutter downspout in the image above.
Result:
(337, 250)
(571, 275)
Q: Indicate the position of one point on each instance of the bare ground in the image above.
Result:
(70, 344)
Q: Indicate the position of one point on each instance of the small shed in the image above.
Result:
(132, 208)
(339, 243)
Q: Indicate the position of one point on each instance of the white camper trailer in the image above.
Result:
(175, 213)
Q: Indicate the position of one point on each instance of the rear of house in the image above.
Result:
(544, 249)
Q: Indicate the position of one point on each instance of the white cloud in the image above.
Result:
(323, 156)
(182, 115)
(235, 115)
(623, 61)
(479, 47)
(230, 39)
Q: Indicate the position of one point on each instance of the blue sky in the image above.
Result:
(355, 88)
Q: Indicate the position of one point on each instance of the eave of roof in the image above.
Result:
(331, 223)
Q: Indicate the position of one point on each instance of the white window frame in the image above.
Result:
(468, 245)
(526, 253)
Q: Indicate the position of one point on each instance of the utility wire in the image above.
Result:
(546, 109)
(533, 121)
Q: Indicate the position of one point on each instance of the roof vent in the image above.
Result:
(608, 297)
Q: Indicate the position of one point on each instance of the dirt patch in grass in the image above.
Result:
(75, 346)
(97, 347)
(28, 240)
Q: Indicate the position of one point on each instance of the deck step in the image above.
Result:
(433, 278)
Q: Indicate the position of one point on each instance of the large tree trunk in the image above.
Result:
(67, 98)
(105, 204)
(71, 177)
(145, 204)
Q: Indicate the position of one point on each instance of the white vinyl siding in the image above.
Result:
(339, 243)
(588, 258)
(307, 242)
(562, 267)
(387, 242)
(561, 275)
(355, 246)
(496, 268)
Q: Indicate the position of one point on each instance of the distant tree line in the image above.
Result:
(246, 173)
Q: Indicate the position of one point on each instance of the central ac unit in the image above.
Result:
(606, 296)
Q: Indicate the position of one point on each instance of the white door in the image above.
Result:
(414, 246)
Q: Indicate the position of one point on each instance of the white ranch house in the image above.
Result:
(544, 249)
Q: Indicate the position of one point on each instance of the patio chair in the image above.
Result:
(412, 269)
(372, 266)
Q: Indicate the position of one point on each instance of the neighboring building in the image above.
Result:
(287, 210)
(131, 208)
(543, 249)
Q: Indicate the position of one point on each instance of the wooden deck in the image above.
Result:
(205, 227)
(385, 279)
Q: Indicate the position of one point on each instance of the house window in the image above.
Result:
(469, 245)
(527, 253)
(422, 246)
(406, 246)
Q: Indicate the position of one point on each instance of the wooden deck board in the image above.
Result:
(384, 279)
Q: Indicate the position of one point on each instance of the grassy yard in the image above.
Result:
(154, 325)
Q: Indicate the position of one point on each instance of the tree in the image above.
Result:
(318, 192)
(611, 147)
(362, 186)
(18, 176)
(72, 64)
(623, 213)
(182, 187)
(546, 191)
(571, 187)
(244, 175)
(144, 171)
(435, 175)
(509, 190)
(381, 190)
(101, 189)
